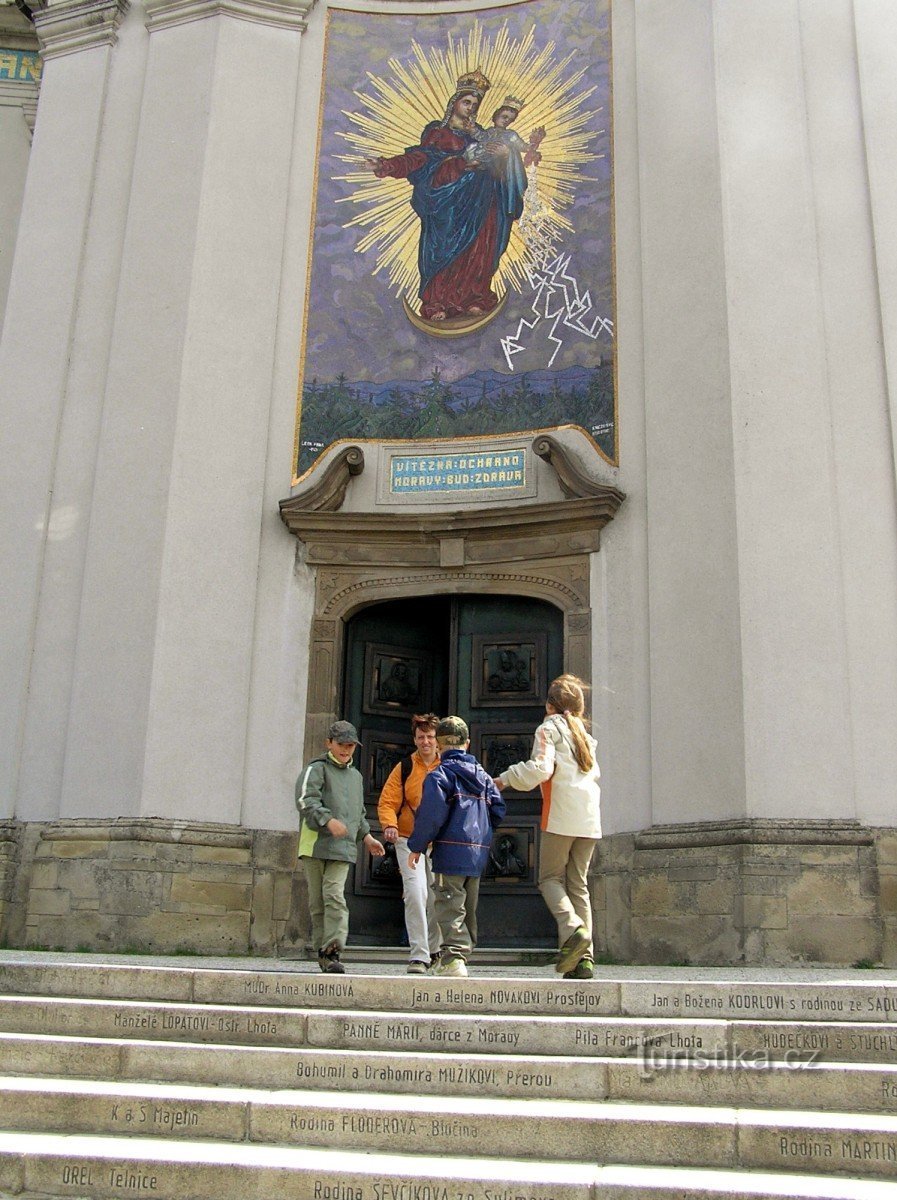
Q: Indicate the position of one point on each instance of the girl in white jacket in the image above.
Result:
(563, 763)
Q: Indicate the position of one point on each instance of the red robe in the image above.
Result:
(465, 283)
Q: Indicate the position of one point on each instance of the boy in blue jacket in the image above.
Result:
(460, 806)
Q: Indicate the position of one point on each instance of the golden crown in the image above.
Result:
(474, 81)
(513, 102)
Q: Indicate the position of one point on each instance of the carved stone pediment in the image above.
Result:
(452, 540)
(565, 517)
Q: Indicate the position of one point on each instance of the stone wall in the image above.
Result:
(152, 885)
(753, 891)
(886, 842)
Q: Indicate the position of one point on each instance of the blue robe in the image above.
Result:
(453, 215)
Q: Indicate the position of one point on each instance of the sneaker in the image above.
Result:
(416, 967)
(584, 969)
(451, 966)
(328, 960)
(576, 947)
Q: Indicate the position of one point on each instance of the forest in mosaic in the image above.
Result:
(478, 404)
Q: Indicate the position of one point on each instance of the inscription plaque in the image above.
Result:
(462, 472)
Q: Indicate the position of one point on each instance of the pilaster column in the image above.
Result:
(161, 689)
(790, 565)
(42, 299)
(697, 757)
(851, 99)
(875, 27)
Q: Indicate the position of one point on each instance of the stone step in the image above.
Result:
(551, 1130)
(640, 1084)
(48, 1165)
(718, 995)
(657, 1040)
(483, 956)
(746, 1082)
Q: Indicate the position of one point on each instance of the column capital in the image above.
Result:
(283, 14)
(71, 25)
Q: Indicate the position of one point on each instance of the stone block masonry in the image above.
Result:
(151, 885)
(749, 891)
(715, 893)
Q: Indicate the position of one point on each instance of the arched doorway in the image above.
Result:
(489, 659)
(450, 570)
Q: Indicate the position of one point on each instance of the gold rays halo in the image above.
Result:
(392, 115)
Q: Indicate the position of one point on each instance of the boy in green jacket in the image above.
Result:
(330, 799)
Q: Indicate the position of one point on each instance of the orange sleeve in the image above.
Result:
(390, 798)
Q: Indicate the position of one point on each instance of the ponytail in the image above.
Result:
(566, 697)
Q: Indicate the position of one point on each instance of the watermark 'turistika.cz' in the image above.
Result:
(654, 1057)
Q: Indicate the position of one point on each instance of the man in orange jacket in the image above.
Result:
(396, 808)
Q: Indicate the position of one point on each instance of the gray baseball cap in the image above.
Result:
(453, 727)
(343, 732)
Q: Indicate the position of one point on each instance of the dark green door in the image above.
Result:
(488, 659)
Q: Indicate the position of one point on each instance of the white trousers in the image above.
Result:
(420, 917)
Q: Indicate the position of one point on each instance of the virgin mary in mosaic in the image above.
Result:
(468, 187)
(461, 279)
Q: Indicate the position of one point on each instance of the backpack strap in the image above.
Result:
(406, 767)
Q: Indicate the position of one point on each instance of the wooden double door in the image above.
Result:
(489, 660)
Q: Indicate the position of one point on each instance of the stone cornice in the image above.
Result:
(455, 538)
(755, 831)
(146, 829)
(15, 39)
(282, 14)
(74, 25)
(15, 95)
(29, 112)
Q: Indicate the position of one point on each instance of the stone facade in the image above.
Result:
(170, 653)
(757, 892)
(152, 885)
(772, 892)
(886, 844)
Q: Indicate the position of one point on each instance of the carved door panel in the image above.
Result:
(507, 651)
(488, 659)
(396, 666)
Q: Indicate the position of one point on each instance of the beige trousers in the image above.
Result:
(456, 898)
(563, 881)
(327, 905)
